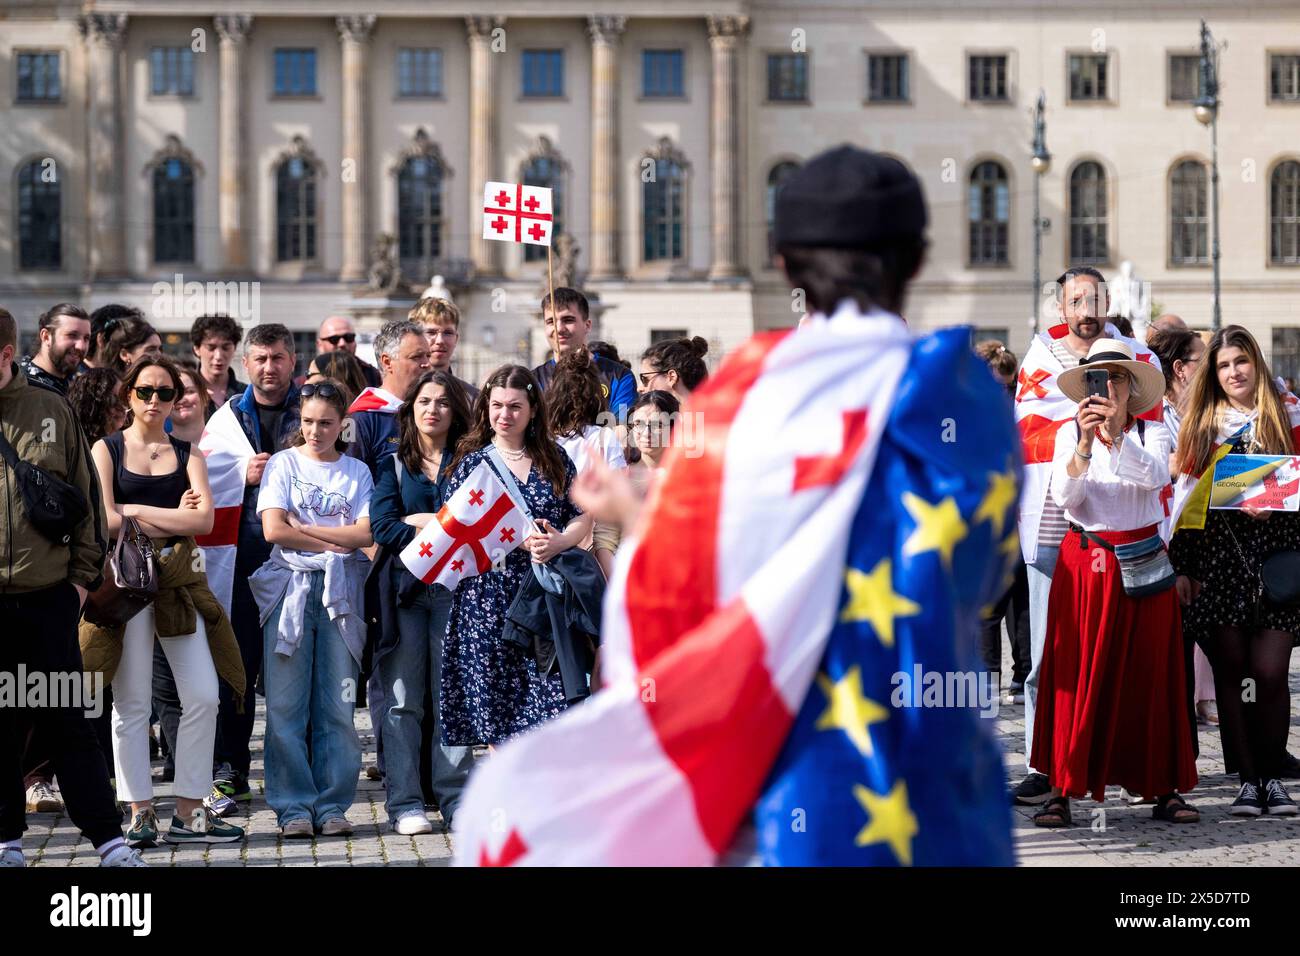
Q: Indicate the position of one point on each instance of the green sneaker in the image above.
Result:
(204, 828)
(144, 829)
(232, 783)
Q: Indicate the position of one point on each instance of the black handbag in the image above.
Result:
(54, 507)
(1279, 579)
(131, 582)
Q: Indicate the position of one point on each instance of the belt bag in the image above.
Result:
(1144, 566)
(54, 507)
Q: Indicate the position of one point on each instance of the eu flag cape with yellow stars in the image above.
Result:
(870, 775)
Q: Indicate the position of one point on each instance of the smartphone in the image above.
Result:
(1098, 380)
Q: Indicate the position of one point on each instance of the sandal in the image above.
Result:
(1172, 808)
(1055, 813)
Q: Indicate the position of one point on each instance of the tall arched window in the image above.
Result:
(1088, 216)
(1189, 221)
(173, 211)
(40, 199)
(779, 174)
(295, 204)
(419, 213)
(663, 205)
(545, 169)
(990, 215)
(1284, 214)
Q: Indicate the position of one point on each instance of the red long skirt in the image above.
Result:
(1112, 705)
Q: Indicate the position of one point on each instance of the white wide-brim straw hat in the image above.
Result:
(1146, 382)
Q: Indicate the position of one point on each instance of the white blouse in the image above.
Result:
(594, 442)
(1121, 489)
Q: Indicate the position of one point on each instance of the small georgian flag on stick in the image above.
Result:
(515, 213)
(477, 528)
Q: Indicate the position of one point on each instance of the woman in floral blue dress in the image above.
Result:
(490, 687)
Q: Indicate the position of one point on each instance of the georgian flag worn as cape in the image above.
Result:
(227, 451)
(475, 529)
(753, 608)
(1041, 410)
(375, 399)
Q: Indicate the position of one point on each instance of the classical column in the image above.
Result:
(605, 34)
(103, 34)
(354, 34)
(233, 219)
(482, 136)
(725, 33)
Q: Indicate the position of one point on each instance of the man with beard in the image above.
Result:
(1042, 409)
(64, 333)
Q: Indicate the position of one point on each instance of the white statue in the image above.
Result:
(437, 290)
(1130, 298)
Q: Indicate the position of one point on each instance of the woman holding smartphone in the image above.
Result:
(315, 507)
(1111, 700)
(491, 688)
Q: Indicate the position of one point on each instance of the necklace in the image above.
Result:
(153, 456)
(509, 455)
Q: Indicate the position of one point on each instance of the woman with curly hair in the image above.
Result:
(95, 399)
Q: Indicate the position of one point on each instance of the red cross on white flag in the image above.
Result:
(515, 213)
(475, 529)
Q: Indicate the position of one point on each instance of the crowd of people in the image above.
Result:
(347, 462)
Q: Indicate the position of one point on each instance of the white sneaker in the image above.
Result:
(41, 798)
(413, 822)
(11, 856)
(123, 856)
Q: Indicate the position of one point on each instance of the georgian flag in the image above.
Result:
(476, 529)
(516, 213)
(375, 399)
(227, 450)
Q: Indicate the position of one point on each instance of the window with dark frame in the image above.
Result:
(1188, 215)
(987, 78)
(1184, 77)
(543, 73)
(990, 214)
(295, 211)
(1088, 215)
(545, 172)
(1089, 76)
(419, 213)
(38, 78)
(787, 77)
(1284, 77)
(887, 80)
(667, 335)
(1284, 214)
(779, 174)
(662, 200)
(419, 72)
(171, 71)
(295, 72)
(173, 211)
(39, 219)
(661, 73)
(1285, 361)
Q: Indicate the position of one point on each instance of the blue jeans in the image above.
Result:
(1040, 588)
(316, 686)
(409, 672)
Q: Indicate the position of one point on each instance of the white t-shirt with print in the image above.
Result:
(595, 442)
(328, 494)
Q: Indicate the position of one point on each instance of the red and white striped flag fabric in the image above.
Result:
(1041, 410)
(716, 617)
(227, 450)
(516, 213)
(375, 399)
(477, 528)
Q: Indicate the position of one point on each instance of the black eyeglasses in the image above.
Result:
(334, 340)
(146, 392)
(320, 390)
(648, 377)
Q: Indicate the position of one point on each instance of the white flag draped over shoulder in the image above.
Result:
(477, 528)
(227, 451)
(516, 213)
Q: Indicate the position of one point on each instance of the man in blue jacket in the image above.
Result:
(268, 413)
(567, 326)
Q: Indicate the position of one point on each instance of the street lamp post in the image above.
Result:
(1041, 161)
(1206, 109)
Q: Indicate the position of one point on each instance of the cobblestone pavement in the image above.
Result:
(1109, 834)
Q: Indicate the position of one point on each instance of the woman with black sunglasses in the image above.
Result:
(150, 476)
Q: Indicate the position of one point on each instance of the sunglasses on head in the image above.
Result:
(334, 340)
(319, 390)
(146, 392)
